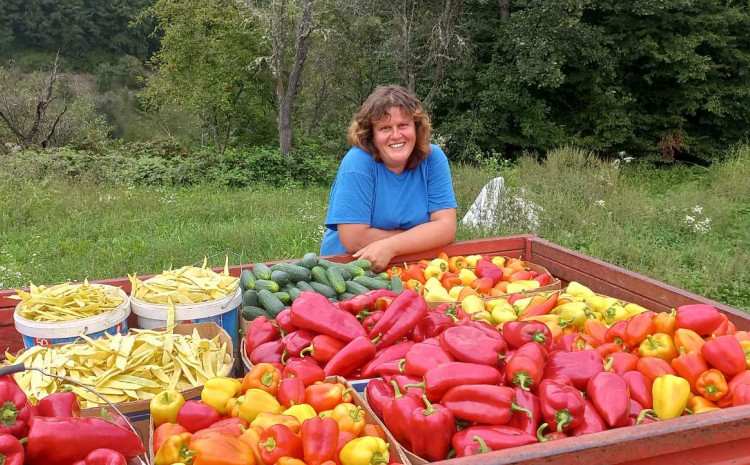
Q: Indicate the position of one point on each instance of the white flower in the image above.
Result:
(689, 219)
(599, 203)
(697, 209)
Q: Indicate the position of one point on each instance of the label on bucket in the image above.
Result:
(29, 341)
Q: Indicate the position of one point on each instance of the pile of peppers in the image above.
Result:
(53, 433)
(270, 417)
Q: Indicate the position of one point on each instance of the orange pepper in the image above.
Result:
(501, 286)
(263, 376)
(712, 384)
(349, 417)
(482, 285)
(746, 349)
(414, 272)
(325, 396)
(699, 404)
(449, 280)
(659, 345)
(251, 437)
(373, 430)
(664, 322)
(414, 285)
(289, 461)
(597, 330)
(687, 340)
(219, 449)
(443, 256)
(457, 263)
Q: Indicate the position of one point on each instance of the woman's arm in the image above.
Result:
(356, 236)
(439, 231)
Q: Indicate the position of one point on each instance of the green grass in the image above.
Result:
(633, 215)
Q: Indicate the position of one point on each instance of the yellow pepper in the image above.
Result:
(466, 276)
(367, 450)
(437, 295)
(217, 392)
(472, 260)
(433, 283)
(634, 309)
(253, 402)
(472, 304)
(301, 412)
(670, 394)
(432, 271)
(482, 315)
(658, 345)
(265, 420)
(498, 261)
(440, 263)
(501, 314)
(572, 314)
(699, 404)
(746, 348)
(164, 407)
(174, 449)
(349, 417)
(596, 302)
(326, 414)
(615, 313)
(522, 286)
(577, 289)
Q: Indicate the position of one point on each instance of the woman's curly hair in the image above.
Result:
(376, 107)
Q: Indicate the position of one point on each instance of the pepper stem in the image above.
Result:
(396, 389)
(563, 418)
(269, 444)
(514, 407)
(539, 337)
(540, 433)
(482, 445)
(307, 350)
(267, 379)
(402, 365)
(378, 458)
(8, 413)
(284, 357)
(430, 408)
(377, 338)
(523, 380)
(645, 413)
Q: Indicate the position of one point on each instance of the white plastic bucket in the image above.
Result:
(61, 332)
(224, 312)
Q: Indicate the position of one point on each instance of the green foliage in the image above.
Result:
(127, 71)
(166, 164)
(208, 64)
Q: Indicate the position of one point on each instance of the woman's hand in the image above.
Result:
(379, 253)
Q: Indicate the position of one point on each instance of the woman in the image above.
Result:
(393, 193)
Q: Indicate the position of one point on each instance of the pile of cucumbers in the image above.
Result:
(266, 291)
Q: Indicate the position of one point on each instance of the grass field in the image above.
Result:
(689, 227)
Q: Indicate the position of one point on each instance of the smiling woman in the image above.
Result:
(393, 192)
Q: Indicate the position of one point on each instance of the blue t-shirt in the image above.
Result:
(366, 192)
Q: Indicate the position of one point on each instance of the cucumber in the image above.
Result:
(309, 260)
(346, 296)
(250, 297)
(354, 287)
(361, 263)
(295, 272)
(397, 285)
(284, 297)
(304, 286)
(354, 269)
(261, 271)
(270, 302)
(371, 283)
(293, 292)
(326, 263)
(323, 289)
(319, 274)
(266, 284)
(247, 280)
(280, 277)
(251, 312)
(336, 279)
(383, 276)
(345, 272)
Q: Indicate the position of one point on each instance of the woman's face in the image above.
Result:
(394, 136)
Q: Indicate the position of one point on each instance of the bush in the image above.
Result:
(165, 164)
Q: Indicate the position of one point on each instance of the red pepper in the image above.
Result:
(62, 441)
(59, 404)
(194, 415)
(296, 341)
(15, 410)
(734, 383)
(620, 362)
(397, 414)
(103, 457)
(415, 310)
(701, 318)
(284, 321)
(479, 439)
(486, 269)
(640, 388)
(352, 356)
(269, 352)
(616, 333)
(314, 312)
(430, 431)
(540, 308)
(592, 421)
(431, 325)
(439, 380)
(638, 327)
(394, 367)
(291, 392)
(394, 312)
(578, 366)
(371, 320)
(528, 417)
(518, 333)
(725, 354)
(741, 395)
(322, 348)
(233, 426)
(609, 394)
(543, 279)
(471, 345)
(562, 405)
(725, 328)
(422, 357)
(357, 304)
(409, 385)
(260, 331)
(389, 354)
(11, 450)
(525, 368)
(553, 436)
(279, 441)
(488, 330)
(689, 366)
(320, 440)
(608, 348)
(481, 403)
(378, 393)
(305, 369)
(653, 367)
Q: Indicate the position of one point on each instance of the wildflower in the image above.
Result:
(599, 203)
(697, 209)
